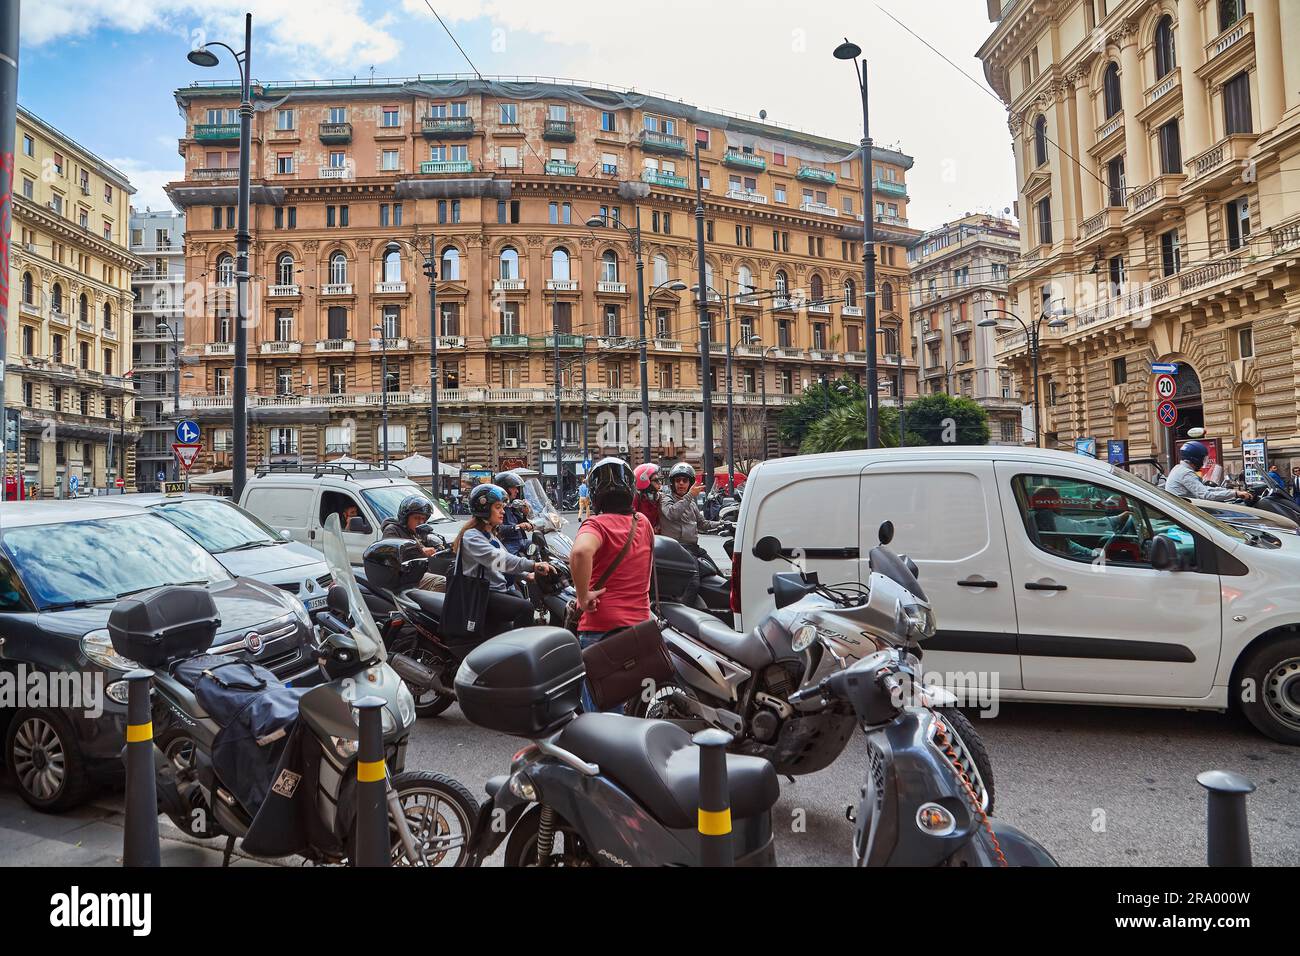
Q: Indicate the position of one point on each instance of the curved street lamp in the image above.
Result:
(1032, 329)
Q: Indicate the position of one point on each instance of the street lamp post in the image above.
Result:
(706, 379)
(203, 56)
(851, 51)
(383, 386)
(1032, 330)
(176, 386)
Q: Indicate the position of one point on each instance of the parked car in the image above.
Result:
(1063, 578)
(298, 500)
(245, 545)
(62, 569)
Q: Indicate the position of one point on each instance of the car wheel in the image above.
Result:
(1270, 681)
(45, 760)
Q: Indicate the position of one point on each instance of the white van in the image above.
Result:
(1070, 580)
(298, 500)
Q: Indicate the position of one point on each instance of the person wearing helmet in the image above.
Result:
(414, 511)
(611, 560)
(680, 516)
(479, 550)
(1185, 481)
(648, 492)
(516, 527)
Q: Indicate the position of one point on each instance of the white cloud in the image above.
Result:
(322, 33)
(148, 182)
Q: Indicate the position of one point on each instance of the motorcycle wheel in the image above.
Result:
(440, 814)
(521, 847)
(428, 703)
(973, 744)
(656, 708)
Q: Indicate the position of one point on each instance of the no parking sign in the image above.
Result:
(1167, 414)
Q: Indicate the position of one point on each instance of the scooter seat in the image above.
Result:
(656, 763)
(430, 602)
(747, 649)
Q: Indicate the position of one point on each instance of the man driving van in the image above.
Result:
(1185, 481)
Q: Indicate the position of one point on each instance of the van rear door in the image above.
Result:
(947, 518)
(284, 509)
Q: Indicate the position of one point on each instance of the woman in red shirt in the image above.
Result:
(623, 599)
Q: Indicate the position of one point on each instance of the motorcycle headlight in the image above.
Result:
(803, 638)
(920, 619)
(98, 647)
(405, 705)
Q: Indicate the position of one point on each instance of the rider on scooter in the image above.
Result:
(648, 493)
(414, 511)
(1185, 481)
(680, 517)
(516, 528)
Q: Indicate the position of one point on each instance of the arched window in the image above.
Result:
(609, 266)
(1110, 90)
(108, 316)
(782, 283)
(392, 264)
(1164, 46)
(338, 269)
(850, 293)
(817, 288)
(56, 298)
(29, 291)
(1243, 411)
(1040, 141)
(661, 270)
(745, 278)
(509, 263)
(225, 269)
(887, 297)
(560, 264)
(284, 268)
(83, 309)
(450, 263)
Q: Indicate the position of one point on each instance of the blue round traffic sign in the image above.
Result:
(74, 482)
(1167, 414)
(187, 432)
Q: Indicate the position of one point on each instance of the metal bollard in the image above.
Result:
(140, 836)
(373, 845)
(1228, 830)
(715, 800)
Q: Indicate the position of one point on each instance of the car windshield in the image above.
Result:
(218, 525)
(1229, 530)
(386, 499)
(89, 562)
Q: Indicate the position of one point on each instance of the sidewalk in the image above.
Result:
(91, 835)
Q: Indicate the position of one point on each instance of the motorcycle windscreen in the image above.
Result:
(561, 545)
(364, 630)
(545, 516)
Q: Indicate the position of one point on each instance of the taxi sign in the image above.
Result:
(173, 488)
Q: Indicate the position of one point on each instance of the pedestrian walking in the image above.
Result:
(584, 502)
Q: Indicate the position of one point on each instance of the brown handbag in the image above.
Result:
(618, 664)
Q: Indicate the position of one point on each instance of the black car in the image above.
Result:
(62, 697)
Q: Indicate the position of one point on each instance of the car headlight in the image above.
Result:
(920, 619)
(803, 638)
(98, 647)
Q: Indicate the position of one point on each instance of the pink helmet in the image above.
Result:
(645, 474)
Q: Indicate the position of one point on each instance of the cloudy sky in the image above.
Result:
(104, 71)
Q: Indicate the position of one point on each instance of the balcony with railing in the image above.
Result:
(653, 141)
(1219, 166)
(811, 174)
(447, 127)
(746, 195)
(562, 285)
(1102, 227)
(889, 188)
(558, 167)
(30, 308)
(280, 348)
(508, 342)
(60, 318)
(215, 174)
(611, 288)
(739, 159)
(1241, 32)
(439, 167)
(390, 345)
(1169, 83)
(508, 285)
(820, 208)
(336, 288)
(1109, 127)
(216, 132)
(283, 291)
(336, 132)
(336, 345)
(669, 180)
(1154, 200)
(390, 288)
(819, 308)
(851, 311)
(451, 341)
(334, 172)
(219, 348)
(559, 131)
(566, 341)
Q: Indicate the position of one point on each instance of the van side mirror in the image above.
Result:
(886, 532)
(359, 525)
(286, 534)
(1164, 553)
(767, 548)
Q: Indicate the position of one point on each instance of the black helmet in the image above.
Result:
(1194, 453)
(394, 564)
(610, 482)
(482, 497)
(413, 505)
(681, 470)
(507, 480)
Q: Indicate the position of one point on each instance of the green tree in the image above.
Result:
(946, 420)
(845, 429)
(812, 406)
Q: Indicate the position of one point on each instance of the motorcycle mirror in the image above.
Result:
(424, 530)
(337, 600)
(886, 532)
(729, 546)
(767, 548)
(358, 525)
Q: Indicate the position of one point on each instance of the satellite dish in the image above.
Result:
(762, 114)
(1006, 210)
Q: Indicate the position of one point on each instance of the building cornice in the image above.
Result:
(64, 229)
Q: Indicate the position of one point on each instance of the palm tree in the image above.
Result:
(845, 428)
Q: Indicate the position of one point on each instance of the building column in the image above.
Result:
(1189, 41)
(1086, 134)
(1268, 63)
(1137, 163)
(1289, 39)
(1063, 173)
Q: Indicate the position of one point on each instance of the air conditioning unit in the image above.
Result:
(545, 444)
(450, 440)
(510, 443)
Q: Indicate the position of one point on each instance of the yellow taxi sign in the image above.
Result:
(173, 488)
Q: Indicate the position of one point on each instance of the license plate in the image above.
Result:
(314, 604)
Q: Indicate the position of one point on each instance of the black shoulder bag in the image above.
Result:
(464, 612)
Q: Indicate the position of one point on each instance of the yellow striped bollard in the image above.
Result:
(715, 799)
(373, 847)
(140, 835)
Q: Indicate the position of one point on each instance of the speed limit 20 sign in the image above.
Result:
(1166, 387)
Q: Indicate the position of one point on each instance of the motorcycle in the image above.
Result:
(742, 682)
(274, 767)
(594, 789)
(919, 803)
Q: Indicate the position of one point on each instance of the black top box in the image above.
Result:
(677, 569)
(526, 682)
(164, 625)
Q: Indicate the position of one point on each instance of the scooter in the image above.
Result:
(742, 682)
(275, 768)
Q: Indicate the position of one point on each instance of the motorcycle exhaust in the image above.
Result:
(416, 674)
